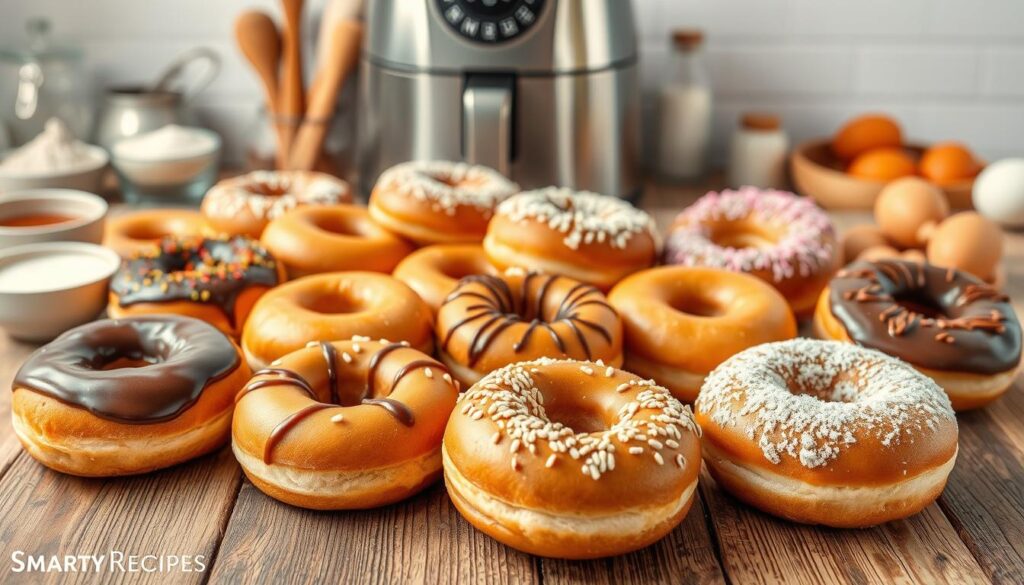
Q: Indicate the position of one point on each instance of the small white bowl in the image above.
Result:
(88, 177)
(46, 289)
(168, 179)
(88, 210)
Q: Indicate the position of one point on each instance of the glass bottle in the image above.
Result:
(684, 110)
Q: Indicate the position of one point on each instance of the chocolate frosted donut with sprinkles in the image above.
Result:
(438, 202)
(589, 237)
(824, 432)
(212, 279)
(571, 459)
(958, 330)
(779, 237)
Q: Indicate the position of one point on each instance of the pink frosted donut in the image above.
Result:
(779, 237)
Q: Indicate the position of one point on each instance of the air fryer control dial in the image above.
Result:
(490, 21)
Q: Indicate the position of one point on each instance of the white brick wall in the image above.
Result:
(949, 69)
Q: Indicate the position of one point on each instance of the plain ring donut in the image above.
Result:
(342, 425)
(434, 271)
(571, 460)
(138, 232)
(824, 432)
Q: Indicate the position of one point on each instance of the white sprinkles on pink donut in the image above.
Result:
(800, 252)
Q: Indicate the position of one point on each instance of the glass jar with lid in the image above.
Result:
(684, 110)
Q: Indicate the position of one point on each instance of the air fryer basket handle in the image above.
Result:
(487, 111)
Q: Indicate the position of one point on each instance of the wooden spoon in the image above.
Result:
(292, 100)
(259, 40)
(340, 60)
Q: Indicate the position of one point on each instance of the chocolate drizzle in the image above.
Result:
(202, 270)
(502, 309)
(933, 317)
(177, 358)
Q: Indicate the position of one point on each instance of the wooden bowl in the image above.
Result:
(818, 174)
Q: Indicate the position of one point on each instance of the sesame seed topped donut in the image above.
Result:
(571, 459)
(781, 238)
(827, 433)
(592, 238)
(438, 202)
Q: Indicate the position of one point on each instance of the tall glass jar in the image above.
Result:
(684, 110)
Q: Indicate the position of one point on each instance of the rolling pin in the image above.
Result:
(290, 93)
(259, 40)
(337, 64)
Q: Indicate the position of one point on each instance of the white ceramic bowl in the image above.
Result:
(89, 211)
(40, 297)
(86, 178)
(182, 177)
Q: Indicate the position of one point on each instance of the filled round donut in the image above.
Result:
(345, 424)
(434, 271)
(245, 204)
(438, 202)
(338, 305)
(568, 459)
(949, 325)
(823, 432)
(592, 238)
(212, 279)
(126, 396)
(332, 238)
(680, 323)
(133, 233)
(783, 239)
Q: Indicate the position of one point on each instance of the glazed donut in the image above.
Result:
(438, 202)
(828, 433)
(214, 280)
(342, 425)
(680, 323)
(244, 205)
(592, 238)
(568, 459)
(949, 325)
(339, 305)
(785, 240)
(434, 271)
(119, 397)
(332, 238)
(140, 231)
(491, 321)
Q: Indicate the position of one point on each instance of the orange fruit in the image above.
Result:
(949, 162)
(883, 164)
(864, 133)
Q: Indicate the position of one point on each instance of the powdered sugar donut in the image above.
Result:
(825, 432)
(589, 237)
(247, 203)
(781, 238)
(439, 202)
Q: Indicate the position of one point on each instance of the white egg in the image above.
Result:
(999, 192)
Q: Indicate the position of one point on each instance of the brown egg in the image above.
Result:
(967, 241)
(865, 133)
(883, 165)
(859, 238)
(879, 253)
(949, 162)
(908, 209)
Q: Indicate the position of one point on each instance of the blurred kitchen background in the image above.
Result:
(945, 68)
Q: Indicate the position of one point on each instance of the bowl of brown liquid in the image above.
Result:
(51, 215)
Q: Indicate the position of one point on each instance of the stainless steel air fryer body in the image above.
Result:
(545, 91)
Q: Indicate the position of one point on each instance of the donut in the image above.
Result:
(568, 459)
(127, 396)
(785, 240)
(488, 322)
(823, 432)
(245, 204)
(680, 323)
(328, 307)
(212, 279)
(438, 202)
(141, 231)
(592, 238)
(345, 424)
(434, 271)
(948, 324)
(332, 238)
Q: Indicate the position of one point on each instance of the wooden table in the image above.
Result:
(974, 533)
